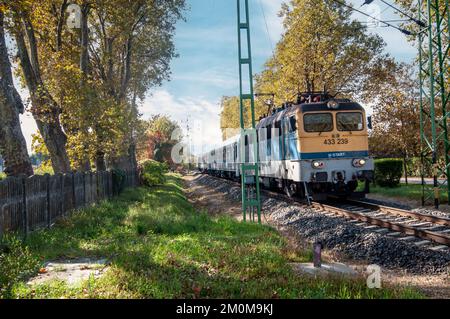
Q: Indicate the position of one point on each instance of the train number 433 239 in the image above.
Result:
(336, 141)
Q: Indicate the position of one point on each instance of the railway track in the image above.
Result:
(406, 225)
(422, 230)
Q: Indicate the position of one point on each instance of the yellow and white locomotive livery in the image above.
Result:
(316, 147)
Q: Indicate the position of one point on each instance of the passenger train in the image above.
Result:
(317, 147)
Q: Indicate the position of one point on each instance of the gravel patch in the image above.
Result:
(340, 235)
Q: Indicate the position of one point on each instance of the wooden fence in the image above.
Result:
(27, 204)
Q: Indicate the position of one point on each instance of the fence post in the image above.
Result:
(74, 202)
(49, 216)
(98, 191)
(24, 205)
(90, 183)
(62, 195)
(84, 188)
(110, 186)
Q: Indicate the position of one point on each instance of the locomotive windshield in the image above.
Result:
(350, 121)
(319, 122)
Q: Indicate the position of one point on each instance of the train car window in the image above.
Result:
(224, 155)
(277, 125)
(350, 121)
(269, 141)
(293, 124)
(235, 151)
(318, 122)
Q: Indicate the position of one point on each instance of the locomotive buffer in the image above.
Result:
(251, 196)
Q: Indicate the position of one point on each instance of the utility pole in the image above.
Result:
(251, 197)
(434, 56)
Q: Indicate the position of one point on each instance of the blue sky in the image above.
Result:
(207, 66)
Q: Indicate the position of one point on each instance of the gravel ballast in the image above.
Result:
(341, 235)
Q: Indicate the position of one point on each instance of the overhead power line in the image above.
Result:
(404, 31)
(420, 23)
(267, 27)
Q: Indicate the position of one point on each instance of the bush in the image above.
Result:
(16, 264)
(388, 172)
(153, 173)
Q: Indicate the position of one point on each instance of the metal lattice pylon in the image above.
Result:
(251, 198)
(434, 44)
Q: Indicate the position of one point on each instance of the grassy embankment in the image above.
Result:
(409, 191)
(159, 246)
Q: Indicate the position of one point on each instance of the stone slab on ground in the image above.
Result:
(73, 272)
(325, 269)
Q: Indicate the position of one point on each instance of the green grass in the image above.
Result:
(410, 191)
(159, 246)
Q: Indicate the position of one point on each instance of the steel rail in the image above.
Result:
(397, 211)
(409, 230)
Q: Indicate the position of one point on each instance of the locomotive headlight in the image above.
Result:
(333, 104)
(318, 164)
(359, 162)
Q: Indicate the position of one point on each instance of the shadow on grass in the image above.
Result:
(160, 247)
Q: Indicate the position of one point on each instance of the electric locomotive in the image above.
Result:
(316, 147)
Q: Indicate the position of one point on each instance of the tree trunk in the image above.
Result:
(13, 147)
(44, 108)
(126, 162)
(100, 163)
(84, 67)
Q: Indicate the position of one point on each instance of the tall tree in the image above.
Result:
(396, 119)
(85, 85)
(158, 141)
(46, 111)
(322, 49)
(12, 142)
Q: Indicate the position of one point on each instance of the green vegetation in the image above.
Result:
(409, 191)
(388, 172)
(153, 172)
(2, 176)
(44, 169)
(159, 246)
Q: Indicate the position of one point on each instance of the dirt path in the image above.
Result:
(205, 197)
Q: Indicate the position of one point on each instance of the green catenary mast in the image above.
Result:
(251, 198)
(434, 56)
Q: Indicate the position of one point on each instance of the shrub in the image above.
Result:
(388, 172)
(153, 173)
(16, 264)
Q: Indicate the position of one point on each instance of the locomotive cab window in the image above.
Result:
(350, 121)
(318, 122)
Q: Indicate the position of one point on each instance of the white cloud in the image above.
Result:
(203, 116)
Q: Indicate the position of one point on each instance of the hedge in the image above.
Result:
(388, 172)
(153, 173)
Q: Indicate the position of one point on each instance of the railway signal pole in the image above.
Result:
(434, 56)
(251, 197)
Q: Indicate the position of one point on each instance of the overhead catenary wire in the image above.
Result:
(267, 27)
(420, 23)
(404, 31)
